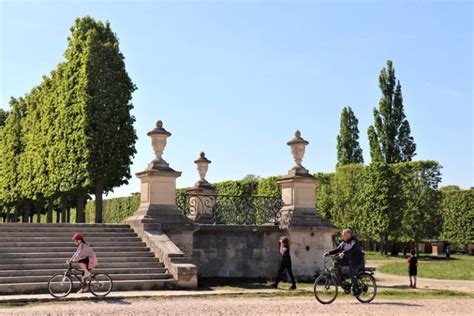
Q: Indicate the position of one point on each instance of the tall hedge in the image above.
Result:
(457, 207)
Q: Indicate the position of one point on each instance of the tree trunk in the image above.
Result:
(68, 215)
(80, 215)
(98, 203)
(63, 211)
(26, 213)
(58, 215)
(38, 213)
(17, 213)
(49, 213)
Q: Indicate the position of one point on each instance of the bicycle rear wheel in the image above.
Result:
(368, 288)
(60, 285)
(100, 284)
(325, 289)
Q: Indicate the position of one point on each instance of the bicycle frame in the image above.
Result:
(74, 272)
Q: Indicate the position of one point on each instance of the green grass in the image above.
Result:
(375, 255)
(456, 268)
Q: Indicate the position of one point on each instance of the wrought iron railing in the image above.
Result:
(231, 209)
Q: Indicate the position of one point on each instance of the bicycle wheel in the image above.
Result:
(60, 285)
(100, 284)
(368, 288)
(325, 289)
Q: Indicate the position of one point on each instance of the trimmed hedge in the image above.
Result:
(457, 207)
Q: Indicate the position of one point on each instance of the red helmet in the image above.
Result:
(77, 236)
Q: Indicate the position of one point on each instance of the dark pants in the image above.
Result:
(353, 269)
(285, 265)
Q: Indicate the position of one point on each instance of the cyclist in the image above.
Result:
(85, 256)
(350, 251)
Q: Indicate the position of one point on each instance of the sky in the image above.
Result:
(235, 79)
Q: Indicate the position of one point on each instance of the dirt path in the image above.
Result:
(247, 306)
(397, 281)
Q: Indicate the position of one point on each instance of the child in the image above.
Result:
(285, 263)
(412, 264)
(85, 256)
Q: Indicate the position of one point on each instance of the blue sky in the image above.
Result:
(236, 78)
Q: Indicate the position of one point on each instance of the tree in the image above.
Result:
(348, 148)
(324, 195)
(421, 199)
(11, 147)
(3, 117)
(457, 208)
(346, 184)
(379, 213)
(390, 138)
(96, 69)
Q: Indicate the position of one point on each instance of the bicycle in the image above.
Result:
(326, 285)
(60, 285)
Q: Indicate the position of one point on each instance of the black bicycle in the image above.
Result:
(327, 284)
(60, 285)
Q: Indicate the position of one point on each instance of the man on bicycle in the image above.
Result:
(349, 249)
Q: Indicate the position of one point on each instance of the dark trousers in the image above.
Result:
(353, 269)
(285, 265)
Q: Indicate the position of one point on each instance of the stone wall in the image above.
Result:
(252, 251)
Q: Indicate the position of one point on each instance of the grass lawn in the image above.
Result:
(459, 267)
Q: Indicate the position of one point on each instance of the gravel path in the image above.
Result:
(247, 306)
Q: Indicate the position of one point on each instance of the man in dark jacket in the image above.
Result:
(350, 250)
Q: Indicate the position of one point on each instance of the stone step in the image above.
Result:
(111, 271)
(45, 278)
(66, 230)
(70, 244)
(64, 235)
(102, 265)
(62, 260)
(67, 255)
(118, 285)
(94, 239)
(62, 225)
(71, 249)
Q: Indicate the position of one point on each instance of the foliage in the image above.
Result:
(420, 196)
(3, 117)
(457, 208)
(348, 148)
(347, 183)
(379, 212)
(324, 195)
(390, 138)
(116, 210)
(73, 133)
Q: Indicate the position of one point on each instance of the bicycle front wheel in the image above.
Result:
(60, 285)
(368, 288)
(325, 289)
(100, 284)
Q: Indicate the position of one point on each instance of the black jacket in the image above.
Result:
(353, 253)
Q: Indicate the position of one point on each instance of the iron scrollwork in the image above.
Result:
(231, 209)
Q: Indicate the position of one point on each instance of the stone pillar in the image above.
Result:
(158, 190)
(202, 197)
(310, 235)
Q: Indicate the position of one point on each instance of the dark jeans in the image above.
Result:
(353, 269)
(285, 265)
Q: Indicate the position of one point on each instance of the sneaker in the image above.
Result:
(293, 287)
(82, 290)
(86, 275)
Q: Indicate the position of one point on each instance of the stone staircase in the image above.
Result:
(31, 253)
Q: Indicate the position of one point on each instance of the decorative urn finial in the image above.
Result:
(158, 141)
(298, 146)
